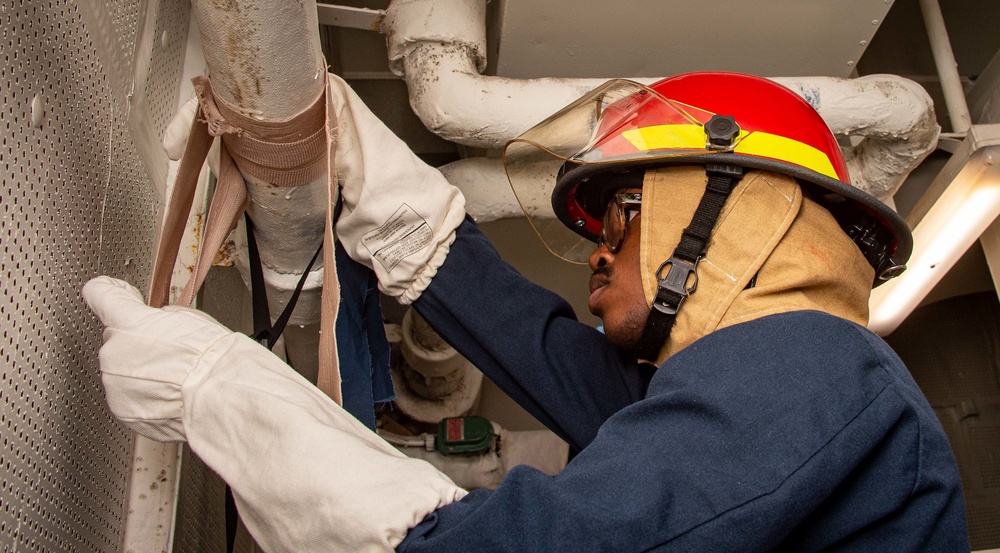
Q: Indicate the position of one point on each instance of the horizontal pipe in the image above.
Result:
(891, 118)
(439, 48)
(352, 18)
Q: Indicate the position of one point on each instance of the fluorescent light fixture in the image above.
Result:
(960, 204)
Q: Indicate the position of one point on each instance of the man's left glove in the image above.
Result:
(399, 214)
(306, 475)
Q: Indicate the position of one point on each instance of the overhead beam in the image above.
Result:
(345, 16)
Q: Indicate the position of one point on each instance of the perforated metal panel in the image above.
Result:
(952, 349)
(201, 525)
(77, 200)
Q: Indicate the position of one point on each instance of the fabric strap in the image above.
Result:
(288, 152)
(681, 277)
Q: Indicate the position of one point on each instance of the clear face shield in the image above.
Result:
(618, 123)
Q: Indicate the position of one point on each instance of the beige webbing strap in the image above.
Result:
(282, 153)
(328, 379)
(177, 211)
(228, 202)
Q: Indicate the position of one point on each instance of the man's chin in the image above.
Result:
(625, 335)
(623, 341)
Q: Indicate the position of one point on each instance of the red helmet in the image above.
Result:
(606, 140)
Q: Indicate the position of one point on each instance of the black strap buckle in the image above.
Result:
(673, 288)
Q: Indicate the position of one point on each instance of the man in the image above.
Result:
(737, 403)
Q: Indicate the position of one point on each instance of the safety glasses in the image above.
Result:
(620, 212)
(605, 128)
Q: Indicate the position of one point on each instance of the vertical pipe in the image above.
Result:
(255, 68)
(947, 68)
(253, 63)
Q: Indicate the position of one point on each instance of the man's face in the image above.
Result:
(616, 292)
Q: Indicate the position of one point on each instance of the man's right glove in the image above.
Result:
(306, 475)
(399, 214)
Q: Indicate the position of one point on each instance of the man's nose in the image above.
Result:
(600, 257)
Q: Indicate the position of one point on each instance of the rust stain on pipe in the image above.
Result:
(244, 74)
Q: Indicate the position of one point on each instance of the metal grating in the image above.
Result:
(952, 350)
(983, 528)
(201, 524)
(76, 201)
(986, 443)
(166, 63)
(933, 338)
(113, 27)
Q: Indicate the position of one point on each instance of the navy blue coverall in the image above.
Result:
(794, 432)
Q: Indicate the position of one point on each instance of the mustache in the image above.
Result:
(604, 271)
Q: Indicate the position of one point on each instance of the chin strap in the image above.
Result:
(678, 275)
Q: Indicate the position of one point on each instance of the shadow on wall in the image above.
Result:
(952, 348)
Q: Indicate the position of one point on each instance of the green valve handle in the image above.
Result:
(464, 435)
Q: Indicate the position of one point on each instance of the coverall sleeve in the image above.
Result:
(790, 435)
(527, 340)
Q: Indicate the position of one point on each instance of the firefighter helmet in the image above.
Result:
(604, 141)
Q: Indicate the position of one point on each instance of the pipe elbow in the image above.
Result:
(892, 118)
(408, 24)
(458, 104)
(442, 52)
(446, 91)
(902, 134)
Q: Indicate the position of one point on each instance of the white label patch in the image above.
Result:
(404, 234)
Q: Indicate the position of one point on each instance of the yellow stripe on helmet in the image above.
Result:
(692, 137)
(663, 137)
(785, 149)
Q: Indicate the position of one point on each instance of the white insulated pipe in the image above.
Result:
(893, 117)
(540, 449)
(947, 67)
(435, 381)
(439, 47)
(255, 67)
(483, 181)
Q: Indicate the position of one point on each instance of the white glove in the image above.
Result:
(400, 214)
(147, 355)
(306, 475)
(175, 137)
